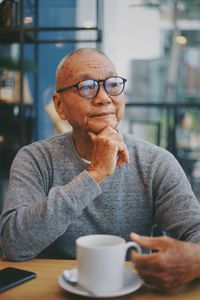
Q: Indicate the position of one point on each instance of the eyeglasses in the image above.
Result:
(89, 88)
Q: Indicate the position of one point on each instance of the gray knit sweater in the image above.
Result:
(52, 200)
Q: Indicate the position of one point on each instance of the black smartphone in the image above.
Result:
(10, 277)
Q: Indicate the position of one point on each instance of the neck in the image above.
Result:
(83, 144)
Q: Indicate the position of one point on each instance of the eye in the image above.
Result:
(113, 83)
(87, 85)
(85, 88)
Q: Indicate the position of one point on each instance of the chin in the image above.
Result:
(96, 125)
(97, 130)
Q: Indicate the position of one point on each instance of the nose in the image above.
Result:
(102, 98)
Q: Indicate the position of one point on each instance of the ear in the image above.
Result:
(57, 99)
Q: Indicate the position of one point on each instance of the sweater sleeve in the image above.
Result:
(176, 208)
(34, 215)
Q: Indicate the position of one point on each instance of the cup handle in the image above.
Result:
(134, 245)
(137, 247)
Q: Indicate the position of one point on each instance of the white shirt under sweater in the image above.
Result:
(52, 200)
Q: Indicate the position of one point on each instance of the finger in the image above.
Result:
(108, 131)
(123, 155)
(163, 283)
(153, 243)
(147, 264)
(144, 260)
(155, 281)
(121, 160)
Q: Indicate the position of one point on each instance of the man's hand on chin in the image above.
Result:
(108, 151)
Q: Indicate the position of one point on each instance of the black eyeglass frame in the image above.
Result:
(98, 82)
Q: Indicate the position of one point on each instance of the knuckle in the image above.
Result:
(167, 239)
(104, 141)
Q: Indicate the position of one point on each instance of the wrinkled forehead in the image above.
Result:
(84, 66)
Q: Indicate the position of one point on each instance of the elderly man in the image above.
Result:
(96, 180)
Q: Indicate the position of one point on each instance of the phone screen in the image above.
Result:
(10, 277)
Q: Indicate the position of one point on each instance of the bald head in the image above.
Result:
(64, 69)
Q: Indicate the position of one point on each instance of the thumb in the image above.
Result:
(92, 135)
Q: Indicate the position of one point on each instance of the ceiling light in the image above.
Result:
(28, 20)
(59, 45)
(88, 24)
(181, 40)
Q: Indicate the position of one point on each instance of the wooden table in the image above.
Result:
(45, 285)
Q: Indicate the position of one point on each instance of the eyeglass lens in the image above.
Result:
(89, 88)
(114, 85)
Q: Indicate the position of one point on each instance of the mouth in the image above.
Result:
(103, 114)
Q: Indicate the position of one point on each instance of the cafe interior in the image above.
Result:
(155, 45)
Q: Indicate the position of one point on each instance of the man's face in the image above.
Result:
(90, 114)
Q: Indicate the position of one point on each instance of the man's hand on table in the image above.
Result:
(174, 263)
(109, 151)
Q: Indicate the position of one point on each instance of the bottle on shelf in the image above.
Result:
(8, 14)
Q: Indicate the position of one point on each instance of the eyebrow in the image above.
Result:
(86, 76)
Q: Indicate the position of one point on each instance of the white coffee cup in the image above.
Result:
(101, 260)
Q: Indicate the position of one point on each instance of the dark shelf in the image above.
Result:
(28, 35)
(9, 36)
(10, 131)
(13, 109)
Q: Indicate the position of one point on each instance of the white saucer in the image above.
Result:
(132, 283)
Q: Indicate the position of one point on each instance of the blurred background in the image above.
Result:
(155, 44)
